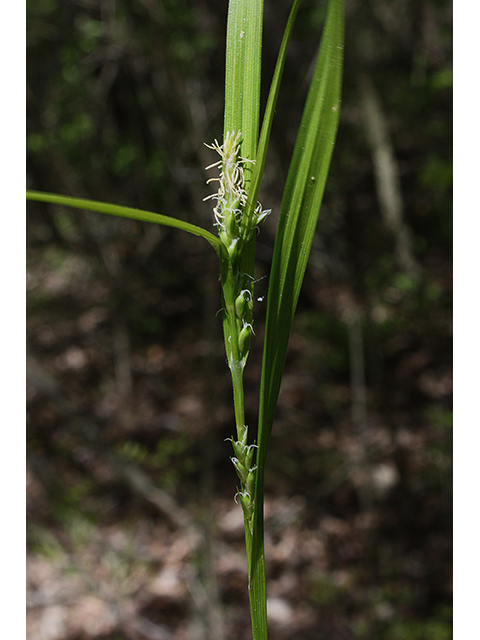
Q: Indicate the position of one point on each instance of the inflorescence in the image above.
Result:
(234, 229)
(231, 196)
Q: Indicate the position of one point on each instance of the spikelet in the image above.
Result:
(243, 463)
(231, 196)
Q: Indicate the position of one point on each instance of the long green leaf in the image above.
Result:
(301, 204)
(242, 113)
(242, 73)
(254, 543)
(298, 217)
(128, 212)
(268, 117)
(242, 94)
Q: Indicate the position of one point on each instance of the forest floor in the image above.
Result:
(133, 532)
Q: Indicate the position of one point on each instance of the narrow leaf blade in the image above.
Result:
(242, 73)
(268, 116)
(128, 212)
(298, 216)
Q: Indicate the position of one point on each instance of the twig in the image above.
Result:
(386, 174)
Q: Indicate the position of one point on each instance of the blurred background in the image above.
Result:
(132, 530)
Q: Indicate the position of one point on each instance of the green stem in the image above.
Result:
(253, 538)
(235, 361)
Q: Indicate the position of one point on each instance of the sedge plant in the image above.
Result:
(237, 213)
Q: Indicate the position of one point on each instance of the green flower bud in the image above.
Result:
(243, 304)
(239, 448)
(240, 469)
(248, 456)
(247, 504)
(250, 483)
(232, 247)
(244, 339)
(231, 223)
